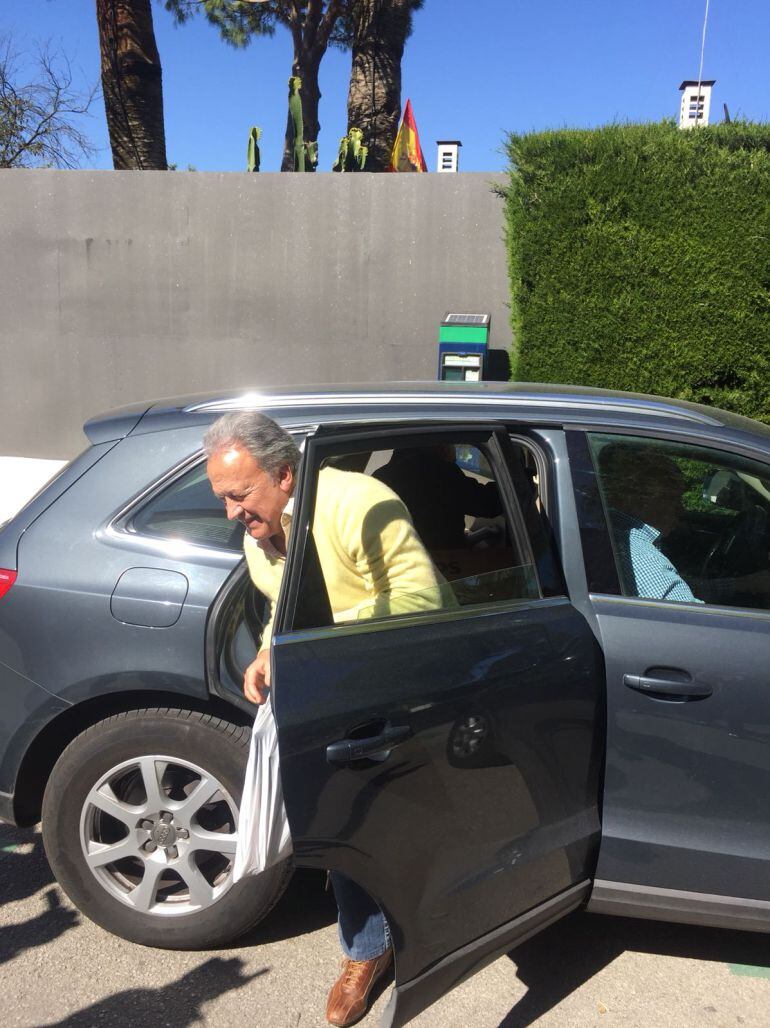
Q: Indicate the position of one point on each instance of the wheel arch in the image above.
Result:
(49, 743)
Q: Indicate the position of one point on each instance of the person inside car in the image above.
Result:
(644, 490)
(373, 564)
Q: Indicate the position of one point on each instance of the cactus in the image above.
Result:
(305, 154)
(252, 151)
(295, 112)
(339, 164)
(352, 154)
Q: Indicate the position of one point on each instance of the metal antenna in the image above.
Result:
(700, 69)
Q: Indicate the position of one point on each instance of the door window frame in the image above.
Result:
(335, 440)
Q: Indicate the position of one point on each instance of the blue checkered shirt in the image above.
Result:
(645, 571)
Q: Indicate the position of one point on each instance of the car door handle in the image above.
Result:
(665, 687)
(347, 750)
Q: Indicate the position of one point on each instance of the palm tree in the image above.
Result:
(132, 84)
(379, 31)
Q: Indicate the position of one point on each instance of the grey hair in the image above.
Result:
(270, 445)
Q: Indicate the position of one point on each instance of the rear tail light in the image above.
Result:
(7, 578)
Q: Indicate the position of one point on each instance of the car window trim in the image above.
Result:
(535, 448)
(599, 559)
(538, 528)
(422, 617)
(715, 609)
(760, 451)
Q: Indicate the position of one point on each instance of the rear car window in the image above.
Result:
(187, 510)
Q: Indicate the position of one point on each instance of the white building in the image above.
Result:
(448, 154)
(696, 103)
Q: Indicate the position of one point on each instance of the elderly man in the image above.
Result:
(373, 564)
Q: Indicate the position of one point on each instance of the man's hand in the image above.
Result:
(256, 680)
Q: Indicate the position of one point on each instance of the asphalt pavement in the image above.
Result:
(57, 968)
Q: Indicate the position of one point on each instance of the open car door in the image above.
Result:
(447, 759)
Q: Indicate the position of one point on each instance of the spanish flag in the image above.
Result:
(407, 152)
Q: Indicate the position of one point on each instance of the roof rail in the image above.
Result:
(606, 402)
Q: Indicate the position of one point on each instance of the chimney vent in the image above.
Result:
(448, 154)
(696, 103)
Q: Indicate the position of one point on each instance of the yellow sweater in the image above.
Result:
(372, 560)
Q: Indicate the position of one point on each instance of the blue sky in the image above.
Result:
(510, 65)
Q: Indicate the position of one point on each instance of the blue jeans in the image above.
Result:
(364, 932)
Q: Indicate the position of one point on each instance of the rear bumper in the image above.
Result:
(6, 808)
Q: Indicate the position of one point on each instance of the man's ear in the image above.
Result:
(286, 478)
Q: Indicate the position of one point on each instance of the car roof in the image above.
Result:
(533, 402)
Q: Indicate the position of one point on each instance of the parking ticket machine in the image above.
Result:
(463, 340)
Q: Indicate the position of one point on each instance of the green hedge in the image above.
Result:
(640, 260)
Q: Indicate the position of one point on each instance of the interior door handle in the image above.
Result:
(347, 750)
(665, 687)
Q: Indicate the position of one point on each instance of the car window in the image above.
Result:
(688, 523)
(188, 510)
(425, 527)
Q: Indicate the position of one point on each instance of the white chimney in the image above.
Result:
(696, 103)
(448, 154)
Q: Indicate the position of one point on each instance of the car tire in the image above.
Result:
(105, 837)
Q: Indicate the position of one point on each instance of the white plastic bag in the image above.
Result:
(263, 830)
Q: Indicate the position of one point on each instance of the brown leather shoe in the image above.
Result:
(349, 996)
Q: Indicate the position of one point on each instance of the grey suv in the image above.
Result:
(582, 720)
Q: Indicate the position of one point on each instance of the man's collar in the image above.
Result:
(267, 545)
(629, 521)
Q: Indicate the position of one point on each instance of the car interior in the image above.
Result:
(457, 510)
(722, 543)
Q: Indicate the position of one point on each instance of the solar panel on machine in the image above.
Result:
(466, 319)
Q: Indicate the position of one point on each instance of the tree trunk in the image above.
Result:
(306, 67)
(132, 86)
(374, 97)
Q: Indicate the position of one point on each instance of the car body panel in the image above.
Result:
(686, 785)
(26, 710)
(411, 998)
(12, 530)
(116, 423)
(485, 844)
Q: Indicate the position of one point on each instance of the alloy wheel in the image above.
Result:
(159, 834)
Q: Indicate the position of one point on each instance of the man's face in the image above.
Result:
(646, 487)
(662, 503)
(249, 494)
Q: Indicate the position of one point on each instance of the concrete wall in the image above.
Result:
(123, 286)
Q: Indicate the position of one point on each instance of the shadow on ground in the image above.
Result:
(22, 874)
(305, 907)
(565, 956)
(179, 1004)
(37, 931)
